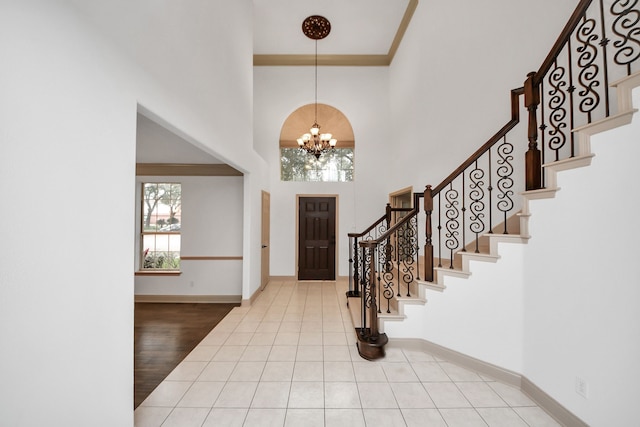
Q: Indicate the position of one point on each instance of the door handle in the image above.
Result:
(264, 246)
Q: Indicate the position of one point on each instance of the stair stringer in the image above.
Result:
(583, 157)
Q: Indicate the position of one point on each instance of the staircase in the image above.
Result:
(477, 207)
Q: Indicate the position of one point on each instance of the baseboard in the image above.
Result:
(539, 396)
(477, 365)
(252, 299)
(206, 299)
(283, 278)
(555, 409)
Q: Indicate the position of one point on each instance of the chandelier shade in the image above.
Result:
(316, 28)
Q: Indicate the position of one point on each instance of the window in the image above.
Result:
(161, 223)
(333, 166)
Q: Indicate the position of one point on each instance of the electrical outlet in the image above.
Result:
(582, 388)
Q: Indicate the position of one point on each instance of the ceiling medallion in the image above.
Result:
(316, 27)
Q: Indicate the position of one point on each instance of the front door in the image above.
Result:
(317, 238)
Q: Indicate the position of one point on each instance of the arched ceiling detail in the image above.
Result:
(330, 119)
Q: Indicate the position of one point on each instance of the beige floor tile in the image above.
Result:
(247, 371)
(334, 338)
(310, 353)
(399, 372)
(278, 371)
(268, 327)
(186, 417)
(341, 395)
(187, 371)
(511, 395)
(446, 395)
(501, 417)
(457, 373)
(202, 394)
(430, 372)
(271, 395)
(229, 353)
(423, 418)
(376, 395)
(290, 326)
(343, 418)
(310, 338)
(308, 371)
(306, 395)
(217, 371)
(337, 353)
(150, 416)
(256, 353)
(227, 417)
(480, 395)
(384, 417)
(168, 393)
(462, 418)
(304, 417)
(236, 395)
(338, 371)
(534, 416)
(257, 417)
(263, 338)
(411, 395)
(368, 372)
(283, 353)
(247, 326)
(202, 353)
(287, 338)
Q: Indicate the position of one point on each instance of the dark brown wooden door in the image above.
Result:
(317, 238)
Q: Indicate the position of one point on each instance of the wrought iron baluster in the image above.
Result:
(452, 213)
(588, 74)
(476, 208)
(543, 127)
(626, 25)
(463, 209)
(604, 41)
(505, 181)
(558, 113)
(439, 230)
(490, 189)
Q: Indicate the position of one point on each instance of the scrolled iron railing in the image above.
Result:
(600, 44)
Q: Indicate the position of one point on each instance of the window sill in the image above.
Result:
(157, 273)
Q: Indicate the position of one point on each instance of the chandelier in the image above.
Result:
(316, 28)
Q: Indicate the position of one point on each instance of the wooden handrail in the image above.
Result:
(564, 36)
(371, 243)
(371, 227)
(515, 119)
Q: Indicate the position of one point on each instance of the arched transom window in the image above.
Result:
(333, 166)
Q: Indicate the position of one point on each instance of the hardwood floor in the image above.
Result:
(164, 334)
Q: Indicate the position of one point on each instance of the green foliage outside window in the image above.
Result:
(333, 166)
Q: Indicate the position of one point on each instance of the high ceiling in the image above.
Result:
(363, 32)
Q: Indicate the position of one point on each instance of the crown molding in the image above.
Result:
(185, 169)
(343, 60)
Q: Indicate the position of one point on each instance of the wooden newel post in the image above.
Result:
(428, 247)
(533, 158)
(388, 264)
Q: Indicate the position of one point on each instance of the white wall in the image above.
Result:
(565, 304)
(67, 171)
(452, 75)
(211, 226)
(362, 95)
(581, 293)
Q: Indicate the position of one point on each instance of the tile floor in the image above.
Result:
(290, 360)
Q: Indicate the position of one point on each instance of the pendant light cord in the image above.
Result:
(316, 93)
